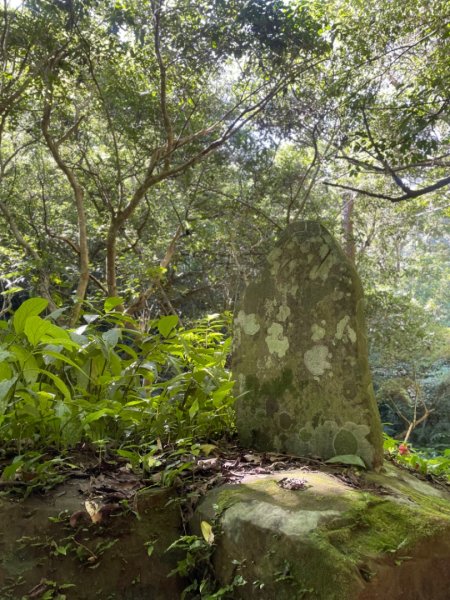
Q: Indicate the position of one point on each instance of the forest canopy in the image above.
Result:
(151, 150)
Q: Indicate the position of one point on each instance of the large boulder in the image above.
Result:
(300, 354)
(311, 536)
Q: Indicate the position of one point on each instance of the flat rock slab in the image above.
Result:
(300, 354)
(41, 553)
(324, 540)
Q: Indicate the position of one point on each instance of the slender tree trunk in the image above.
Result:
(78, 193)
(83, 281)
(111, 256)
(347, 226)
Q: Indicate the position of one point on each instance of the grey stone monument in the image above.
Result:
(300, 354)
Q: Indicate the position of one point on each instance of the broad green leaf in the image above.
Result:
(207, 448)
(166, 325)
(111, 303)
(35, 329)
(65, 359)
(5, 387)
(27, 363)
(115, 364)
(10, 470)
(347, 459)
(128, 350)
(194, 409)
(99, 414)
(151, 462)
(207, 532)
(30, 308)
(5, 371)
(132, 456)
(62, 387)
(111, 337)
(40, 330)
(64, 342)
(11, 290)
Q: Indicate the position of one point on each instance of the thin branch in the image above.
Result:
(156, 8)
(409, 195)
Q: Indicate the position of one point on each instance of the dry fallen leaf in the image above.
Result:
(76, 517)
(250, 458)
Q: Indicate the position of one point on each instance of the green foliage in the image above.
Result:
(399, 328)
(425, 461)
(196, 564)
(108, 384)
(347, 459)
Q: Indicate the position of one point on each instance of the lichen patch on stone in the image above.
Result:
(318, 332)
(351, 334)
(283, 312)
(276, 341)
(340, 328)
(315, 360)
(248, 323)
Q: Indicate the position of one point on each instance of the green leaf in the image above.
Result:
(65, 359)
(207, 448)
(151, 462)
(111, 303)
(111, 337)
(347, 459)
(207, 532)
(30, 308)
(35, 329)
(62, 387)
(10, 470)
(166, 325)
(5, 370)
(99, 414)
(54, 315)
(194, 409)
(27, 362)
(40, 330)
(5, 386)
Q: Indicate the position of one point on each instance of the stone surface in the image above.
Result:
(328, 541)
(32, 548)
(300, 354)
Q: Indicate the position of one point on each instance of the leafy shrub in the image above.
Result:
(425, 461)
(107, 383)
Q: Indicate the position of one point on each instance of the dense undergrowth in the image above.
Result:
(109, 386)
(120, 392)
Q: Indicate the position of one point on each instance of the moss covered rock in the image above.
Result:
(300, 353)
(328, 541)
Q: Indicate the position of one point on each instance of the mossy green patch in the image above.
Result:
(327, 540)
(375, 526)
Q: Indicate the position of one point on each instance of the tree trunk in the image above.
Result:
(78, 193)
(347, 226)
(111, 255)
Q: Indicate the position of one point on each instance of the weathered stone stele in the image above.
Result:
(300, 354)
